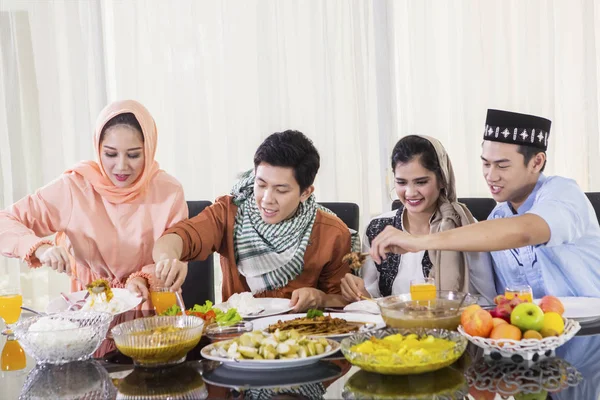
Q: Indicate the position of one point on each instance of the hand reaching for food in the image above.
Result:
(172, 272)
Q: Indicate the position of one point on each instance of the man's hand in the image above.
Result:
(172, 273)
(55, 257)
(306, 298)
(139, 286)
(353, 288)
(392, 240)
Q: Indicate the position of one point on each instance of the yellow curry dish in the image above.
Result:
(100, 290)
(399, 353)
(158, 341)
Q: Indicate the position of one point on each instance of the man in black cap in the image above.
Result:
(543, 233)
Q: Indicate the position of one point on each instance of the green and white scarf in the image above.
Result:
(270, 255)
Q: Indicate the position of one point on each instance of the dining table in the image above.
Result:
(572, 371)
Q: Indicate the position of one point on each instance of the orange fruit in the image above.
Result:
(532, 335)
(478, 323)
(506, 331)
(498, 321)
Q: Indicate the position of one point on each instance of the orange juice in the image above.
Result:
(10, 307)
(523, 293)
(162, 301)
(13, 357)
(422, 291)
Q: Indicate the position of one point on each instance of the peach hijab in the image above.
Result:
(94, 172)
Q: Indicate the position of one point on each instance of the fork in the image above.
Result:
(77, 305)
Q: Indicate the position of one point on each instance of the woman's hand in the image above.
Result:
(55, 257)
(139, 286)
(353, 288)
(172, 272)
(306, 298)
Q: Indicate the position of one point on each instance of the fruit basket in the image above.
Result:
(527, 349)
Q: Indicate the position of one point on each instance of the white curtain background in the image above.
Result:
(355, 76)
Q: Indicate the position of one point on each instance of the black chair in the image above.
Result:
(480, 207)
(594, 198)
(349, 213)
(199, 284)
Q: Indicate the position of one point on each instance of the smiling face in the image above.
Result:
(417, 187)
(506, 173)
(277, 193)
(122, 154)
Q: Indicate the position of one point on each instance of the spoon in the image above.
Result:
(461, 303)
(31, 310)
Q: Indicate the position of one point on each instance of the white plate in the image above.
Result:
(375, 321)
(581, 309)
(368, 306)
(268, 364)
(270, 305)
(127, 299)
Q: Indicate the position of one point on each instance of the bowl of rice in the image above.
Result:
(62, 337)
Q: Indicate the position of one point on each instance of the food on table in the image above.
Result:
(355, 259)
(527, 316)
(552, 304)
(313, 312)
(477, 321)
(158, 340)
(276, 346)
(323, 325)
(244, 303)
(102, 298)
(410, 349)
(99, 287)
(208, 313)
(399, 311)
(526, 320)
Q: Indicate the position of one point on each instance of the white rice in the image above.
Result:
(244, 303)
(113, 307)
(58, 338)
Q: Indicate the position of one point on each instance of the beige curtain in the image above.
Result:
(355, 76)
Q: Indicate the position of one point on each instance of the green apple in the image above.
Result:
(527, 316)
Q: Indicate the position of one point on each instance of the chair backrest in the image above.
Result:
(594, 198)
(349, 213)
(480, 207)
(199, 284)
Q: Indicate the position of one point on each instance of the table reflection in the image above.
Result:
(13, 357)
(77, 380)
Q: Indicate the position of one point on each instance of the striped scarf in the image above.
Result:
(270, 255)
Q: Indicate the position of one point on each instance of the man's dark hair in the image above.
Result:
(291, 149)
(529, 152)
(412, 146)
(122, 119)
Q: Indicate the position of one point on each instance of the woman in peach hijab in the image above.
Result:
(107, 214)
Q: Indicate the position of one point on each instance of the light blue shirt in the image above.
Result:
(569, 263)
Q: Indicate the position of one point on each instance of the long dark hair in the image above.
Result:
(413, 146)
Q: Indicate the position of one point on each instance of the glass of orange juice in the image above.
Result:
(162, 299)
(11, 301)
(523, 292)
(13, 357)
(423, 289)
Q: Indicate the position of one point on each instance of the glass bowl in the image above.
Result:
(77, 380)
(62, 337)
(399, 311)
(216, 332)
(158, 341)
(396, 364)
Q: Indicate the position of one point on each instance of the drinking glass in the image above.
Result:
(162, 299)
(523, 292)
(423, 289)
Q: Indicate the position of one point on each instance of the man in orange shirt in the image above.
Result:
(273, 238)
